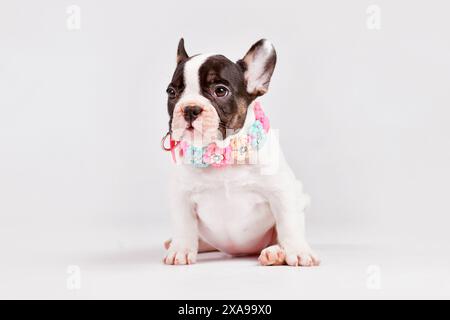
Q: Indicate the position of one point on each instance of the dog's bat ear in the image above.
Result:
(181, 52)
(258, 65)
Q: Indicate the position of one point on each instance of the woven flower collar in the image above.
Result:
(240, 148)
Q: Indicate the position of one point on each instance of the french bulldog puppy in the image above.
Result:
(241, 207)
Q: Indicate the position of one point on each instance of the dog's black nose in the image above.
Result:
(191, 113)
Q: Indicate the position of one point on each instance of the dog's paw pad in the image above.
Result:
(272, 256)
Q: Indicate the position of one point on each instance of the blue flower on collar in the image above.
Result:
(257, 134)
(194, 156)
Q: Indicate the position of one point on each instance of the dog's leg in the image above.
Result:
(288, 211)
(184, 245)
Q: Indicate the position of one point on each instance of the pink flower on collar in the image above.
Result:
(216, 156)
(261, 116)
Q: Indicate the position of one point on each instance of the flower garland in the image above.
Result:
(241, 149)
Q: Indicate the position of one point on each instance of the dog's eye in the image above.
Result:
(171, 92)
(221, 91)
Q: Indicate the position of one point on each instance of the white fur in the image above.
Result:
(234, 209)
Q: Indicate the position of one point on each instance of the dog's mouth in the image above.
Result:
(202, 128)
(203, 134)
(196, 131)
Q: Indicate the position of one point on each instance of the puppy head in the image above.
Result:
(209, 95)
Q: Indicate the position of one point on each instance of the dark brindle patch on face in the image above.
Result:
(219, 73)
(178, 85)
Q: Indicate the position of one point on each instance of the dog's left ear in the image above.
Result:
(258, 65)
(181, 52)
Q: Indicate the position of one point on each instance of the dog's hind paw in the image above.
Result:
(272, 256)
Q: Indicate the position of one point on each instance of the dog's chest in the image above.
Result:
(234, 216)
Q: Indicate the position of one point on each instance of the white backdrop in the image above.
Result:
(363, 113)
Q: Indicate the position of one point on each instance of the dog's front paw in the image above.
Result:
(180, 255)
(302, 256)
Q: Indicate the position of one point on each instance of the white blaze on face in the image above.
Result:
(191, 74)
(206, 125)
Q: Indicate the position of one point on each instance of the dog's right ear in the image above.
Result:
(181, 52)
